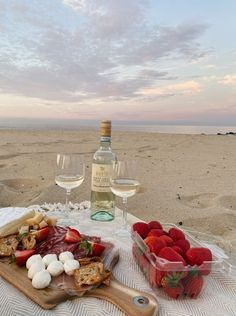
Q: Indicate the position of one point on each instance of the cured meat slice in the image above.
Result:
(55, 244)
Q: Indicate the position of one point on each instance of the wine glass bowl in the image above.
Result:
(124, 188)
(124, 184)
(70, 173)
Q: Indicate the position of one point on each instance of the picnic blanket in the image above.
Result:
(218, 298)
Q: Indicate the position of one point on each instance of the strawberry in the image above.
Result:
(193, 286)
(143, 261)
(155, 244)
(97, 249)
(41, 234)
(183, 244)
(140, 257)
(93, 249)
(178, 249)
(176, 234)
(72, 236)
(172, 286)
(174, 292)
(141, 228)
(180, 275)
(196, 256)
(171, 255)
(169, 241)
(152, 276)
(21, 256)
(205, 268)
(154, 225)
(156, 232)
(159, 275)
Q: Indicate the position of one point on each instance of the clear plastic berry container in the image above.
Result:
(184, 280)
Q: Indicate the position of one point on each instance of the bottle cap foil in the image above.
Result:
(105, 128)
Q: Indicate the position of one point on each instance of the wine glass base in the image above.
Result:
(67, 222)
(122, 232)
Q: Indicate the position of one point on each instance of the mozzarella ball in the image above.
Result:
(41, 279)
(35, 267)
(55, 268)
(32, 260)
(67, 255)
(49, 258)
(70, 266)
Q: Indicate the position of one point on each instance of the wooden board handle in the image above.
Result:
(130, 301)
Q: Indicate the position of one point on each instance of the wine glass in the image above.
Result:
(70, 174)
(124, 184)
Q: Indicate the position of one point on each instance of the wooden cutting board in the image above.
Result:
(130, 301)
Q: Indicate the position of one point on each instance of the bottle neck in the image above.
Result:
(105, 141)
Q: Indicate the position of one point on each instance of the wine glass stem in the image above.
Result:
(67, 199)
(124, 219)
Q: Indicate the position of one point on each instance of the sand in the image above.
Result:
(185, 178)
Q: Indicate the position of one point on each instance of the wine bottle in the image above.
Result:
(102, 199)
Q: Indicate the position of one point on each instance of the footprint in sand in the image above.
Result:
(228, 201)
(19, 191)
(201, 201)
(219, 224)
(146, 148)
(2, 166)
(3, 157)
(20, 184)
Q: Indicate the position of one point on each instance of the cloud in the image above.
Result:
(90, 50)
(111, 18)
(184, 88)
(229, 80)
(155, 74)
(210, 66)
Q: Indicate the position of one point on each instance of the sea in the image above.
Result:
(131, 126)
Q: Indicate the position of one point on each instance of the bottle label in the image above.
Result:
(106, 139)
(101, 177)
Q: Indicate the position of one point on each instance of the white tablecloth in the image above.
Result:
(217, 299)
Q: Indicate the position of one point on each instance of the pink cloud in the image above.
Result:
(184, 88)
(229, 80)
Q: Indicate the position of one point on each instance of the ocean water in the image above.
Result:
(177, 129)
(141, 126)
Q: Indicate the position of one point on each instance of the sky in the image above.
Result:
(164, 60)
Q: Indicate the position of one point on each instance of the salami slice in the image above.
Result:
(55, 244)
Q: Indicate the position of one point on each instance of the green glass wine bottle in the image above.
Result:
(102, 199)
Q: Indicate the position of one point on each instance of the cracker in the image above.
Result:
(87, 260)
(91, 274)
(8, 246)
(29, 242)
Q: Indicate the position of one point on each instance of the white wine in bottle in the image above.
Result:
(102, 199)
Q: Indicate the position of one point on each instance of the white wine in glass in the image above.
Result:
(124, 188)
(70, 174)
(124, 184)
(69, 182)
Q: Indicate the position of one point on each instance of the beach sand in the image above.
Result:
(185, 178)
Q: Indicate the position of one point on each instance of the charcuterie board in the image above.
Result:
(130, 301)
(17, 276)
(53, 239)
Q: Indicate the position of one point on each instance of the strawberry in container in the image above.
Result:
(171, 259)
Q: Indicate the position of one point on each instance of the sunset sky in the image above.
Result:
(165, 60)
